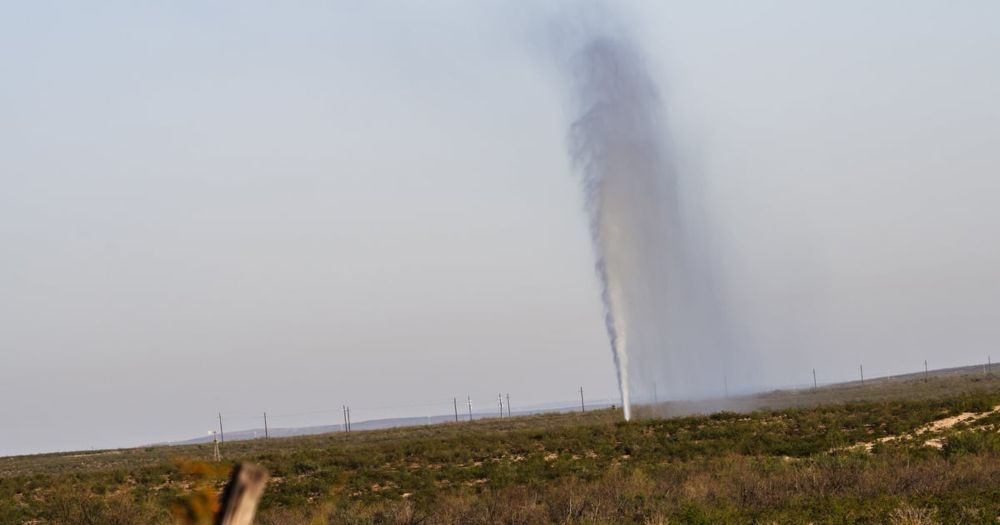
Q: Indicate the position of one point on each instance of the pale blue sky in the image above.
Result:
(242, 206)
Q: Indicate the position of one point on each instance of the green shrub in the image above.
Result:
(972, 442)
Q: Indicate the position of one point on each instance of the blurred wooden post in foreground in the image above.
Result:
(239, 499)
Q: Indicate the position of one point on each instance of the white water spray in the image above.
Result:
(649, 260)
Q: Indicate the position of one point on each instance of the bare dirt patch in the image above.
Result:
(934, 427)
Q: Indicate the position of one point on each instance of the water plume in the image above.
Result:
(649, 253)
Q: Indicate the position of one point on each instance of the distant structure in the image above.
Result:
(216, 454)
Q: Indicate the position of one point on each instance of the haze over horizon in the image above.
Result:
(241, 207)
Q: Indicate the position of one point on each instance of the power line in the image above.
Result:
(501, 399)
(347, 423)
(329, 410)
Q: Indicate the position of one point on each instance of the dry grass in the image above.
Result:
(778, 465)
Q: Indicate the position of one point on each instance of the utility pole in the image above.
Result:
(455, 402)
(814, 379)
(925, 371)
(862, 369)
(265, 425)
(468, 401)
(222, 435)
(508, 406)
(583, 407)
(348, 418)
(343, 408)
(500, 399)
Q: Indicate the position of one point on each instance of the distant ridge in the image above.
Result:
(377, 424)
(776, 397)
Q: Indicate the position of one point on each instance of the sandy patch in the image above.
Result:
(931, 428)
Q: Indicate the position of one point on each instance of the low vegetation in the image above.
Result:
(917, 452)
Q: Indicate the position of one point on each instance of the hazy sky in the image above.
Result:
(248, 206)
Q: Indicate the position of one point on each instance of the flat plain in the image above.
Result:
(911, 449)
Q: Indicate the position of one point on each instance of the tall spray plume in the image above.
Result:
(647, 229)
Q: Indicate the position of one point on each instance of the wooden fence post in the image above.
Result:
(239, 499)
